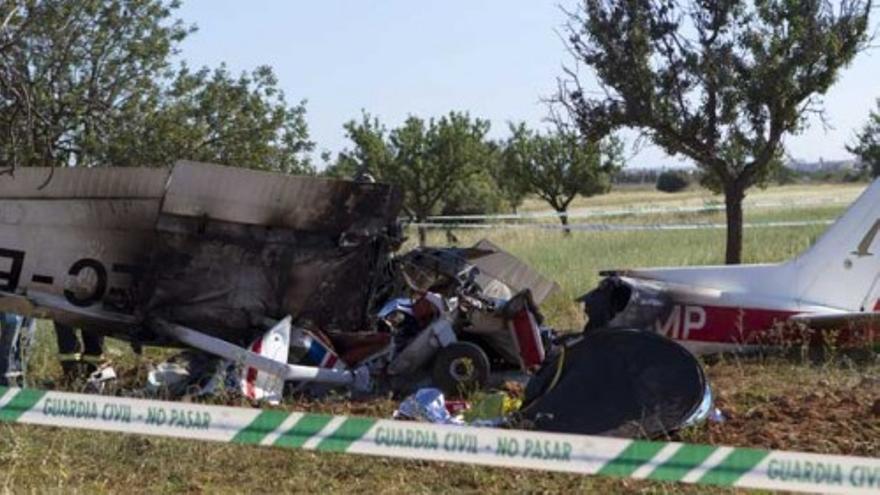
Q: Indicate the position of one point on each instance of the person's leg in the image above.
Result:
(24, 345)
(93, 350)
(10, 363)
(68, 350)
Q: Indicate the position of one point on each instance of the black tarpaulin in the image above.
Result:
(623, 383)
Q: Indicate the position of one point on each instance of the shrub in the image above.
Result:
(672, 182)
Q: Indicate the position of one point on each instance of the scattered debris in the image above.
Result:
(427, 404)
(492, 409)
(257, 384)
(101, 378)
(716, 416)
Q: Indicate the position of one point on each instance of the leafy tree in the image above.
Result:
(69, 68)
(370, 151)
(559, 166)
(867, 145)
(427, 159)
(212, 116)
(89, 83)
(719, 81)
(477, 196)
(511, 188)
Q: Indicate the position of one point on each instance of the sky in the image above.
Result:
(497, 59)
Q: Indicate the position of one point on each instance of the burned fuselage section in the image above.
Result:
(260, 246)
(215, 247)
(621, 302)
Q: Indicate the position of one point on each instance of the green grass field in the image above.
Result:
(771, 402)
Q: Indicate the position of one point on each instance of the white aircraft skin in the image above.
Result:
(833, 285)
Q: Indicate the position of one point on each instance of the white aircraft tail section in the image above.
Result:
(842, 269)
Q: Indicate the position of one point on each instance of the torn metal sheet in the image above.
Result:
(486, 264)
(253, 197)
(507, 268)
(623, 302)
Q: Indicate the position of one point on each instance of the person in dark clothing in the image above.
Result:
(78, 358)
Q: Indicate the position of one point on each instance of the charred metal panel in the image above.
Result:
(225, 278)
(625, 303)
(235, 246)
(275, 200)
(84, 183)
(232, 246)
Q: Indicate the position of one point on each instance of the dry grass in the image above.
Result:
(647, 195)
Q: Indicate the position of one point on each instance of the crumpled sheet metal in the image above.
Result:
(512, 271)
(293, 202)
(227, 277)
(235, 246)
(427, 266)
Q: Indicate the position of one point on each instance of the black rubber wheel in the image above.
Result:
(460, 368)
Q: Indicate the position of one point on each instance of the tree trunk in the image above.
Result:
(563, 218)
(733, 201)
(423, 235)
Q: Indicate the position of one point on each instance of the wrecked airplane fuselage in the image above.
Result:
(212, 257)
(215, 247)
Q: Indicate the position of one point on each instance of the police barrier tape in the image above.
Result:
(661, 461)
(649, 210)
(615, 227)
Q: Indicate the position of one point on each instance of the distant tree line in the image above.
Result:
(678, 179)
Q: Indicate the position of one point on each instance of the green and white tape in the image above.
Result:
(662, 461)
